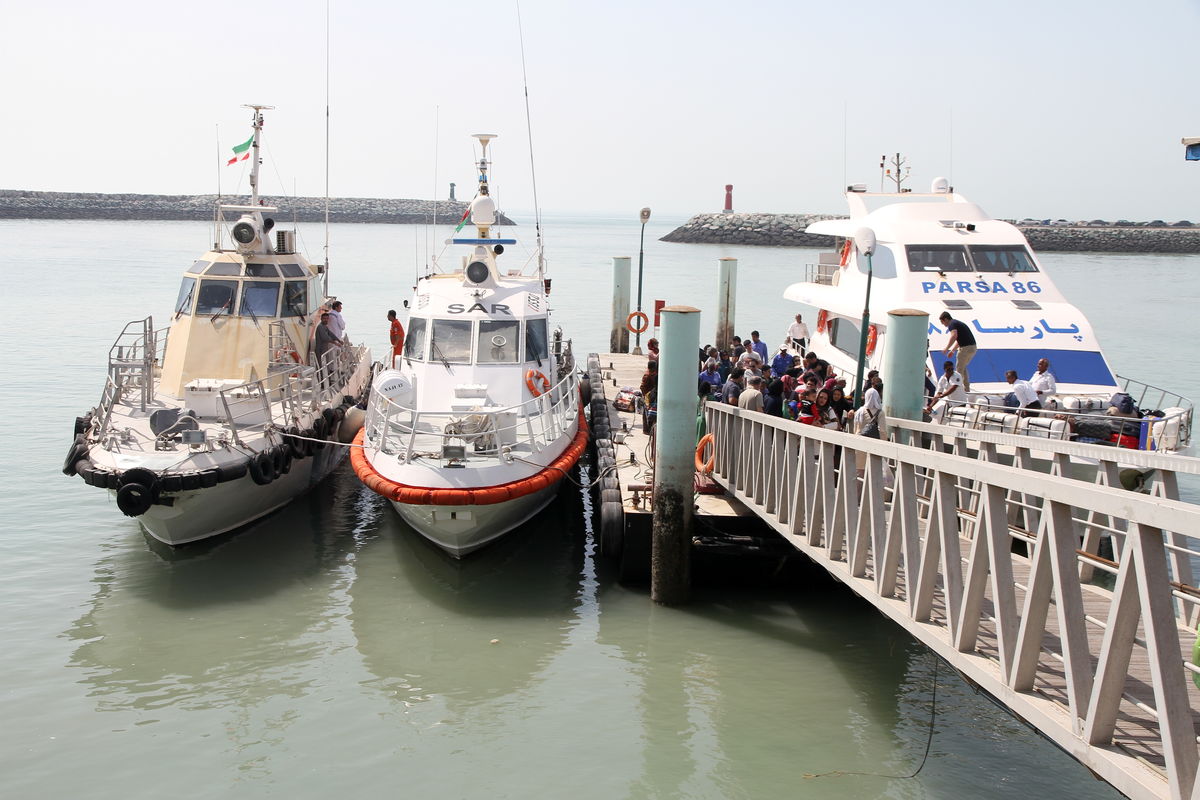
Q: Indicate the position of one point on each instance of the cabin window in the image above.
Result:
(261, 271)
(198, 267)
(1001, 258)
(936, 258)
(414, 342)
(187, 290)
(451, 341)
(497, 341)
(295, 299)
(216, 297)
(291, 270)
(259, 299)
(224, 268)
(535, 339)
(845, 336)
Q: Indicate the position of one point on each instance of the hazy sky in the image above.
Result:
(1053, 108)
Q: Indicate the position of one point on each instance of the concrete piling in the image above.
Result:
(726, 301)
(618, 337)
(905, 349)
(674, 461)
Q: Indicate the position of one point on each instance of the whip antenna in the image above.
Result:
(326, 271)
(537, 209)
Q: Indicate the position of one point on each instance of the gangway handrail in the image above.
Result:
(933, 549)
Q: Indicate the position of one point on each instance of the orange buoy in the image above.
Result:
(706, 466)
(533, 378)
(638, 315)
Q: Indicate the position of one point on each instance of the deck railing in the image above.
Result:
(983, 563)
(527, 428)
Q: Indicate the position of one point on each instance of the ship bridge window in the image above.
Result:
(451, 341)
(497, 342)
(198, 267)
(292, 270)
(216, 297)
(937, 258)
(261, 271)
(414, 342)
(259, 299)
(295, 299)
(224, 268)
(536, 339)
(187, 291)
(1001, 258)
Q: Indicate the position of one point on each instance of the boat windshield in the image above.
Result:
(295, 299)
(1001, 258)
(187, 290)
(497, 343)
(536, 339)
(972, 258)
(259, 299)
(451, 341)
(845, 336)
(414, 343)
(216, 297)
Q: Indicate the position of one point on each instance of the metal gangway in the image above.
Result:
(1069, 600)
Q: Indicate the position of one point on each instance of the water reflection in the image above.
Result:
(425, 623)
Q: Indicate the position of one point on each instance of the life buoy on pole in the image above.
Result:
(845, 258)
(872, 338)
(637, 315)
(533, 378)
(822, 319)
(704, 466)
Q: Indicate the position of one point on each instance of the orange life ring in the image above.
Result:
(531, 380)
(872, 338)
(703, 466)
(637, 315)
(846, 248)
(822, 318)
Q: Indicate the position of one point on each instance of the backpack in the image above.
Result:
(626, 399)
(1123, 403)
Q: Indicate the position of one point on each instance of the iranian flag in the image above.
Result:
(463, 221)
(241, 152)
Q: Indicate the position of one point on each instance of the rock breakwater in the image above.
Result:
(787, 230)
(20, 204)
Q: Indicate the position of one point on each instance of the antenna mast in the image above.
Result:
(537, 209)
(325, 272)
(256, 160)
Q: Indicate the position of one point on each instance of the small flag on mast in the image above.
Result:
(241, 152)
(463, 221)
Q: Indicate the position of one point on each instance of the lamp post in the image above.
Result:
(864, 240)
(637, 341)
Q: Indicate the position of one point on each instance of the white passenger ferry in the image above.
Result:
(472, 431)
(939, 252)
(223, 415)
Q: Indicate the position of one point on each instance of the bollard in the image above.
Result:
(905, 351)
(618, 337)
(674, 460)
(726, 301)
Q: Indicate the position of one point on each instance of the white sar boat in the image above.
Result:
(223, 415)
(471, 432)
(939, 252)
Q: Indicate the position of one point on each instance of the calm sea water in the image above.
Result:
(329, 650)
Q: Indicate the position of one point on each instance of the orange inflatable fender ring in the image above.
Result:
(703, 466)
(822, 319)
(481, 496)
(637, 315)
(872, 339)
(533, 378)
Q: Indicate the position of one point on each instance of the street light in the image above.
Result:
(864, 240)
(637, 341)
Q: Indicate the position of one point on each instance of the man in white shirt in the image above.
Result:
(1043, 382)
(337, 325)
(1027, 399)
(797, 335)
(949, 390)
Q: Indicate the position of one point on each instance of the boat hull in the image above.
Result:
(460, 530)
(205, 513)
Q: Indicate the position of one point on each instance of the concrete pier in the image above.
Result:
(904, 349)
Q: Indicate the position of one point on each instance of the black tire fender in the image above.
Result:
(296, 446)
(232, 472)
(79, 450)
(134, 499)
(262, 468)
